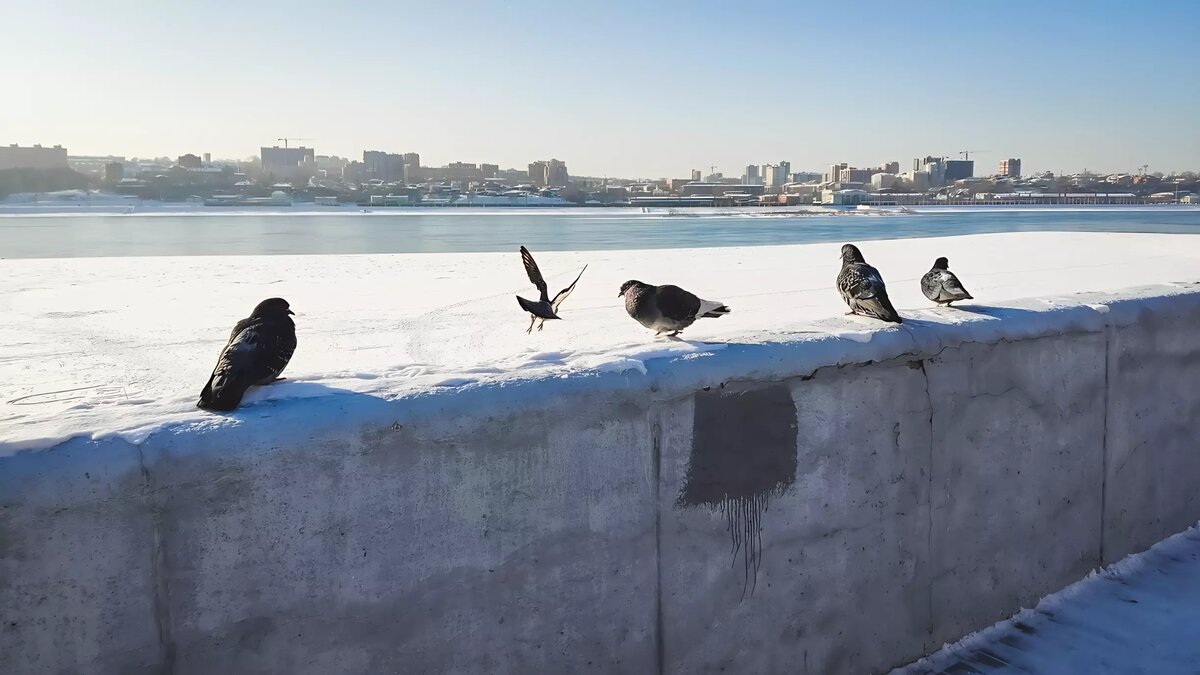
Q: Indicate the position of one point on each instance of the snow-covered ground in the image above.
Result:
(1141, 615)
(124, 345)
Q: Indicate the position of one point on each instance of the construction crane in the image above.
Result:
(1142, 169)
(966, 154)
(285, 139)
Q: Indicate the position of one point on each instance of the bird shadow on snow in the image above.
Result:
(266, 398)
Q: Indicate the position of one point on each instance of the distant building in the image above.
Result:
(1010, 168)
(890, 167)
(385, 166)
(805, 177)
(354, 172)
(834, 172)
(695, 174)
(556, 173)
(114, 172)
(718, 189)
(208, 158)
(675, 185)
(958, 169)
(489, 170)
(36, 157)
(852, 175)
(776, 175)
(751, 176)
(537, 173)
(189, 161)
(918, 181)
(330, 166)
(412, 167)
(882, 181)
(286, 163)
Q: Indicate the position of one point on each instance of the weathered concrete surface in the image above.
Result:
(1018, 444)
(1153, 433)
(813, 517)
(857, 513)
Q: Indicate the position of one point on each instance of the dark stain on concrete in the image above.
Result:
(743, 452)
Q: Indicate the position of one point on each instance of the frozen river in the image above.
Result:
(577, 229)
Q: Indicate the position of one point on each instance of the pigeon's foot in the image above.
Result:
(541, 326)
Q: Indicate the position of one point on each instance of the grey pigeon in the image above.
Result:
(862, 287)
(258, 350)
(667, 309)
(941, 286)
(544, 308)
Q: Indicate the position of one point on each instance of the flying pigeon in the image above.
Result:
(259, 348)
(942, 286)
(544, 308)
(862, 288)
(667, 309)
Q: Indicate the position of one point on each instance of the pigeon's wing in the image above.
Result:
(857, 281)
(677, 304)
(276, 344)
(239, 327)
(953, 285)
(930, 285)
(562, 295)
(234, 372)
(535, 275)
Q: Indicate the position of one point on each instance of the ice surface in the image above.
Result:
(123, 345)
(1137, 616)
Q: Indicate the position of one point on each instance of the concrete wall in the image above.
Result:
(844, 512)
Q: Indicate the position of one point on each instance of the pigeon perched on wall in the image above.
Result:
(667, 309)
(259, 348)
(862, 287)
(545, 307)
(942, 286)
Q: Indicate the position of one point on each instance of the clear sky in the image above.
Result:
(648, 89)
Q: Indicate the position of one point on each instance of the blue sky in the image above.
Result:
(616, 88)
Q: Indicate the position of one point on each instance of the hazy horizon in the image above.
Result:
(619, 89)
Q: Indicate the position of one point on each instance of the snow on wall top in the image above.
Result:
(96, 347)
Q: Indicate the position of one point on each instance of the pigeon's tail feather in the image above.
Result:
(223, 392)
(710, 309)
(880, 308)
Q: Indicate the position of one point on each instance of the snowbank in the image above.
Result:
(435, 491)
(122, 346)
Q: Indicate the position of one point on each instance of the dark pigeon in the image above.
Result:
(544, 308)
(942, 286)
(667, 309)
(259, 348)
(862, 287)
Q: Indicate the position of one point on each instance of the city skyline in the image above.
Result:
(1066, 88)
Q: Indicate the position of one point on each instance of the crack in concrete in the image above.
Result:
(162, 611)
(656, 468)
(1108, 357)
(929, 498)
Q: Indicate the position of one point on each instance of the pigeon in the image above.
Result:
(862, 288)
(667, 309)
(544, 308)
(259, 348)
(941, 286)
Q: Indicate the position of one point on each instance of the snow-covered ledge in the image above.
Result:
(832, 501)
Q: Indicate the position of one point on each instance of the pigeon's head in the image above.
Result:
(851, 254)
(941, 264)
(628, 285)
(272, 307)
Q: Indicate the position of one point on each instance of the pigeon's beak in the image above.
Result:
(290, 312)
